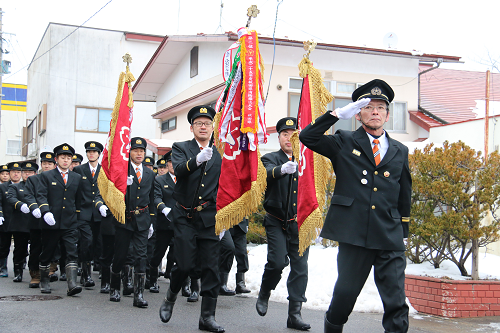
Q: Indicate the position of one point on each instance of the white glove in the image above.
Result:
(289, 167)
(204, 155)
(166, 210)
(37, 213)
(49, 219)
(351, 109)
(1, 220)
(151, 230)
(25, 209)
(103, 210)
(130, 180)
(222, 234)
(405, 241)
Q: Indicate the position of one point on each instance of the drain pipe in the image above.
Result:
(438, 62)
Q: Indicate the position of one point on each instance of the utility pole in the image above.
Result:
(487, 117)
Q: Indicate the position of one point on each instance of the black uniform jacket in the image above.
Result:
(370, 206)
(278, 189)
(188, 176)
(17, 197)
(6, 209)
(164, 190)
(62, 200)
(89, 192)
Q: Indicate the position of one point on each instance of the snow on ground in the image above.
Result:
(323, 274)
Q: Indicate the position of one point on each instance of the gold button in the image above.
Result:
(373, 207)
(93, 200)
(138, 187)
(294, 204)
(65, 189)
(294, 191)
(375, 189)
(294, 179)
(376, 173)
(137, 197)
(199, 198)
(205, 173)
(64, 207)
(93, 184)
(202, 185)
(93, 193)
(64, 198)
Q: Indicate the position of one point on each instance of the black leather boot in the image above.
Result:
(45, 279)
(207, 318)
(86, 279)
(139, 282)
(154, 288)
(241, 287)
(331, 328)
(167, 306)
(18, 273)
(3, 268)
(295, 318)
(72, 275)
(262, 301)
(185, 288)
(147, 285)
(224, 290)
(63, 272)
(195, 291)
(105, 279)
(114, 287)
(52, 273)
(128, 287)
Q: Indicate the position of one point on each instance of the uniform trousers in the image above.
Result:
(282, 249)
(195, 245)
(35, 249)
(108, 250)
(234, 245)
(21, 240)
(354, 264)
(50, 242)
(84, 240)
(96, 241)
(163, 238)
(135, 240)
(5, 242)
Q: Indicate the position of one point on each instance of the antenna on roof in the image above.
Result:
(390, 41)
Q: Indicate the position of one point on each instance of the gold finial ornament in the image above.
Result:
(252, 11)
(309, 46)
(127, 58)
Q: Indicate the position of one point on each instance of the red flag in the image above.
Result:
(112, 180)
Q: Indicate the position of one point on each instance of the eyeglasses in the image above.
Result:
(199, 124)
(370, 108)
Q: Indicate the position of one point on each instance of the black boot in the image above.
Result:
(114, 287)
(224, 290)
(241, 287)
(45, 279)
(262, 301)
(195, 291)
(3, 268)
(128, 287)
(52, 273)
(63, 273)
(154, 288)
(139, 282)
(167, 306)
(147, 285)
(106, 274)
(294, 317)
(185, 288)
(18, 273)
(86, 277)
(72, 275)
(331, 328)
(207, 318)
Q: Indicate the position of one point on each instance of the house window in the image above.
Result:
(194, 62)
(13, 147)
(31, 131)
(345, 88)
(169, 125)
(397, 117)
(92, 119)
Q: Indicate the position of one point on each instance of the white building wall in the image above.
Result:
(12, 127)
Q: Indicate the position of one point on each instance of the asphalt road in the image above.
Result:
(91, 311)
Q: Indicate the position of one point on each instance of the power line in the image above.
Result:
(274, 49)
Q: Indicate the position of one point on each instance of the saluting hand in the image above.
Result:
(130, 180)
(204, 155)
(165, 211)
(103, 210)
(289, 167)
(348, 111)
(1, 220)
(49, 219)
(25, 209)
(37, 213)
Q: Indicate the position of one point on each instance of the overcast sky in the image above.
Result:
(459, 28)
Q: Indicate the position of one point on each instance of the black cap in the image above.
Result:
(4, 167)
(64, 149)
(14, 166)
(29, 166)
(94, 145)
(77, 158)
(148, 161)
(161, 163)
(286, 123)
(200, 111)
(168, 156)
(375, 89)
(47, 156)
(138, 142)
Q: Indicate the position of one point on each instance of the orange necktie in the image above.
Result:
(64, 178)
(138, 174)
(175, 179)
(376, 152)
(93, 173)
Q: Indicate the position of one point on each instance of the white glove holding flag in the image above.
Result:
(25, 209)
(166, 210)
(204, 155)
(150, 232)
(289, 167)
(103, 210)
(130, 180)
(49, 219)
(1, 220)
(348, 111)
(37, 213)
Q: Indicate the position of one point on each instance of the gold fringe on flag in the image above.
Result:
(320, 98)
(114, 198)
